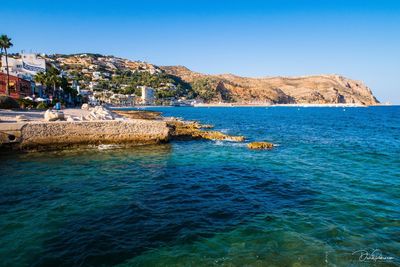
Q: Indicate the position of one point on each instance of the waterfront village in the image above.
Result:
(35, 87)
(42, 80)
(31, 83)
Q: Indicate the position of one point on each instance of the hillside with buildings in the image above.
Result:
(107, 79)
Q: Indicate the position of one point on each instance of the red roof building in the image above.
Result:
(18, 87)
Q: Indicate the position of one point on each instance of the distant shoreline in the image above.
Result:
(295, 105)
(278, 105)
(261, 105)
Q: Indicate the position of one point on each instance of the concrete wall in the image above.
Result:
(50, 135)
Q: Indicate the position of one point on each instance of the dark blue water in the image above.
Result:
(329, 189)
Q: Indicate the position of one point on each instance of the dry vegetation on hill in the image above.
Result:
(320, 89)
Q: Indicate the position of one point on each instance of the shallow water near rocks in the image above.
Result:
(329, 189)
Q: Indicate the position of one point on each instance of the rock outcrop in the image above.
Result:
(139, 114)
(260, 145)
(99, 113)
(182, 130)
(53, 115)
(85, 106)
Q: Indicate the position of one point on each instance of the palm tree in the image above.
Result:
(5, 43)
(53, 78)
(40, 78)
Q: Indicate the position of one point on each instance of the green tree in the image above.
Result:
(53, 78)
(161, 82)
(67, 89)
(102, 85)
(138, 92)
(5, 43)
(40, 78)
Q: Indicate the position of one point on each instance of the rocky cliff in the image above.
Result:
(319, 89)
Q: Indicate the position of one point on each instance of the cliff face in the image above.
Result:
(321, 89)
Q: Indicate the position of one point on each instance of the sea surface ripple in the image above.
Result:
(328, 190)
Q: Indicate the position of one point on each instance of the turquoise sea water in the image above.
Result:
(328, 190)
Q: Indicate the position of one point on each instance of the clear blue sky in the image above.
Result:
(357, 39)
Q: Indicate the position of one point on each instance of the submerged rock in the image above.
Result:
(260, 145)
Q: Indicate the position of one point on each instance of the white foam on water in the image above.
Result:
(219, 143)
(229, 143)
(107, 147)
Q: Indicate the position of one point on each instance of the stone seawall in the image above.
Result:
(45, 135)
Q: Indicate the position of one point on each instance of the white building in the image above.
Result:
(112, 99)
(96, 75)
(27, 65)
(92, 85)
(147, 95)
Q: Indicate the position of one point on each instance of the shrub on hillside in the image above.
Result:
(7, 102)
(205, 88)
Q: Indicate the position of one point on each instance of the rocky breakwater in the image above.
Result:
(98, 126)
(40, 136)
(180, 129)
